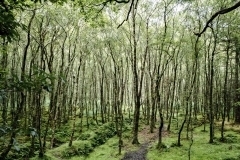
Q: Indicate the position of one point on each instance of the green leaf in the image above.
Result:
(33, 133)
(3, 130)
(15, 145)
(16, 148)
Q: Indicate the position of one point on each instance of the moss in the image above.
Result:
(201, 149)
(84, 143)
(107, 151)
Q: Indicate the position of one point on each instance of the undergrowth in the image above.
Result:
(101, 143)
(86, 142)
(201, 149)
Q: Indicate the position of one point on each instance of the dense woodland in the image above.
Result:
(81, 72)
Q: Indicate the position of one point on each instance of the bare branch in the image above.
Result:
(223, 11)
(104, 4)
(118, 1)
(129, 11)
(110, 1)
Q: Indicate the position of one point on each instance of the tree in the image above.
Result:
(137, 78)
(237, 85)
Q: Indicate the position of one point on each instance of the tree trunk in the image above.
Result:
(225, 95)
(237, 86)
(160, 132)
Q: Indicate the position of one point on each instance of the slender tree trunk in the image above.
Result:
(3, 66)
(173, 96)
(225, 95)
(211, 78)
(237, 83)
(137, 96)
(160, 132)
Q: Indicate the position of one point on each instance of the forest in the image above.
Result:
(120, 80)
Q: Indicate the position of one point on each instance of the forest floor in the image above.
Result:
(146, 150)
(147, 138)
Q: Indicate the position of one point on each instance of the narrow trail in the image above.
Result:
(137, 155)
(148, 138)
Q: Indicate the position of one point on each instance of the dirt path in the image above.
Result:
(148, 138)
(137, 155)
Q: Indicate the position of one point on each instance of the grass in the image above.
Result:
(107, 151)
(87, 146)
(201, 149)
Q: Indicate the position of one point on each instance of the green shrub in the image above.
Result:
(84, 136)
(92, 122)
(22, 153)
(128, 120)
(62, 136)
(89, 141)
(229, 139)
(127, 135)
(105, 132)
(174, 144)
(98, 139)
(109, 130)
(162, 146)
(83, 148)
(79, 148)
(69, 152)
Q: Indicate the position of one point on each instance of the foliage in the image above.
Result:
(38, 81)
(200, 148)
(84, 136)
(106, 151)
(22, 153)
(236, 104)
(4, 130)
(105, 132)
(87, 142)
(8, 22)
(77, 149)
(229, 138)
(71, 41)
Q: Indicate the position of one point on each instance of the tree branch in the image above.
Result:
(129, 11)
(118, 1)
(223, 11)
(104, 4)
